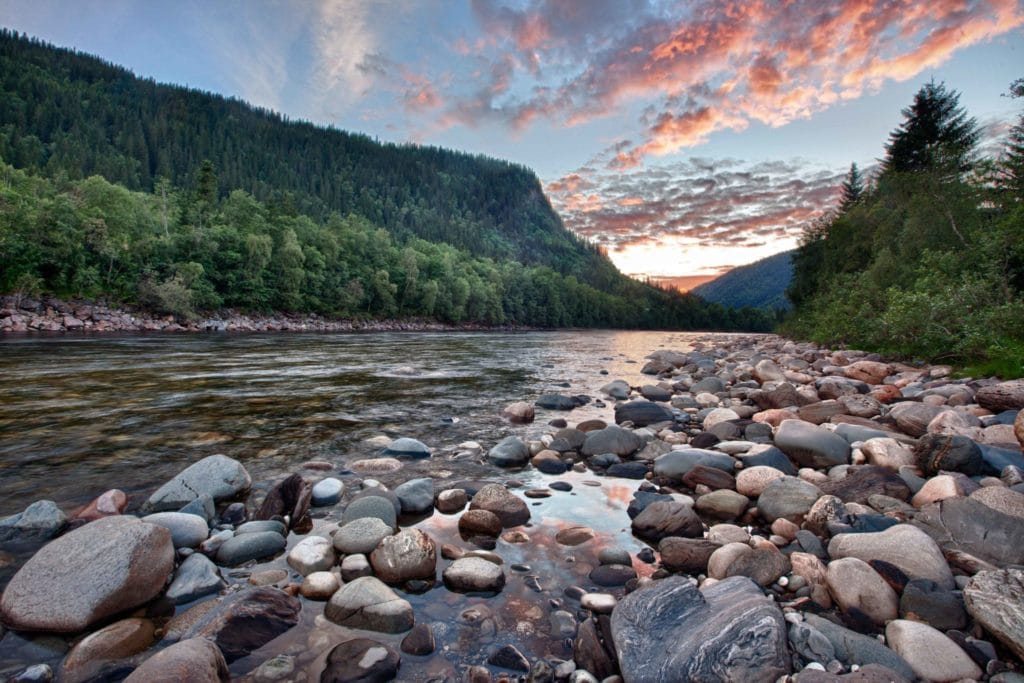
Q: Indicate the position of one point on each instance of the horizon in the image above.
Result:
(685, 144)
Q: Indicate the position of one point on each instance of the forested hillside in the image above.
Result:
(761, 284)
(185, 202)
(927, 259)
(63, 112)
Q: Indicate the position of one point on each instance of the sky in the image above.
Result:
(685, 137)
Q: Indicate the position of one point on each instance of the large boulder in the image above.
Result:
(907, 547)
(672, 631)
(810, 445)
(196, 660)
(642, 413)
(105, 567)
(969, 525)
(409, 554)
(509, 508)
(367, 603)
(217, 476)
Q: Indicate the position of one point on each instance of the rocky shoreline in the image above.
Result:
(28, 316)
(802, 515)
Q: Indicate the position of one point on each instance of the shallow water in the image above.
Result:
(81, 415)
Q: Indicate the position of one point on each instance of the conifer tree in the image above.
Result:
(936, 133)
(853, 188)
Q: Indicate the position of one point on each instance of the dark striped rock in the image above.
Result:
(969, 526)
(996, 600)
(950, 453)
(672, 631)
(247, 620)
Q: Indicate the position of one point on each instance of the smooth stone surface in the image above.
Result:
(752, 481)
(187, 531)
(614, 556)
(327, 492)
(355, 566)
(244, 621)
(996, 600)
(361, 536)
(361, 660)
(195, 660)
(217, 476)
(451, 501)
(612, 574)
(416, 496)
(312, 554)
(671, 631)
(676, 464)
(931, 654)
(254, 546)
(688, 555)
(763, 564)
(612, 439)
(196, 576)
(371, 506)
(117, 641)
(574, 535)
(410, 554)
(854, 648)
(472, 575)
(787, 498)
(642, 413)
(407, 448)
(39, 521)
(667, 518)
(722, 504)
(479, 522)
(968, 525)
(319, 585)
(368, 603)
(105, 567)
(855, 585)
(419, 641)
(907, 547)
(509, 452)
(510, 509)
(811, 446)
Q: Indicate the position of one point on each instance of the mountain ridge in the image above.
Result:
(761, 284)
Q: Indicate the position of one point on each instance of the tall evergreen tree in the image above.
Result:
(1012, 163)
(853, 188)
(936, 133)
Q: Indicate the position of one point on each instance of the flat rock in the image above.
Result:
(996, 600)
(509, 508)
(361, 660)
(811, 446)
(371, 506)
(509, 452)
(196, 576)
(671, 631)
(905, 546)
(407, 448)
(410, 554)
(196, 660)
(105, 567)
(312, 554)
(361, 536)
(787, 498)
(642, 413)
(913, 418)
(667, 518)
(474, 575)
(368, 603)
(254, 546)
(687, 555)
(612, 439)
(930, 653)
(40, 521)
(676, 464)
(217, 476)
(722, 504)
(968, 525)
(187, 531)
(574, 535)
(247, 620)
(861, 483)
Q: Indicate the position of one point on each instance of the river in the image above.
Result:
(80, 415)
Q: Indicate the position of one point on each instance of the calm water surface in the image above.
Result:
(81, 415)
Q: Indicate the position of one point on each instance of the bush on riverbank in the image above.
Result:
(927, 261)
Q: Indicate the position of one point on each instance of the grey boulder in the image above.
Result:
(217, 476)
(416, 496)
(38, 522)
(509, 452)
(196, 576)
(811, 446)
(612, 439)
(367, 603)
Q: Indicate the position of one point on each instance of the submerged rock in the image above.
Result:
(361, 660)
(247, 620)
(196, 660)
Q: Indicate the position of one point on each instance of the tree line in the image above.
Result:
(925, 259)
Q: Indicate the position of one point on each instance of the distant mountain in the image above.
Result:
(761, 284)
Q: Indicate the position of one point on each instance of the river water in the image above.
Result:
(82, 415)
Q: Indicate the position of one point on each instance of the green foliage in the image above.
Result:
(761, 284)
(936, 133)
(928, 263)
(852, 189)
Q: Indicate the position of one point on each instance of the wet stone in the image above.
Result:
(612, 574)
(361, 660)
